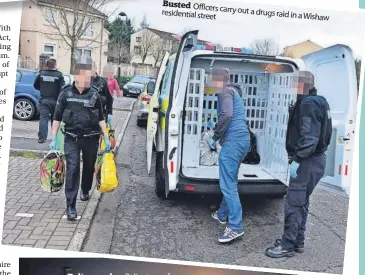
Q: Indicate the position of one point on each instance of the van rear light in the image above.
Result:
(172, 167)
(146, 98)
(346, 169)
(189, 188)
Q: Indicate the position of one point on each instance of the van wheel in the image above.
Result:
(160, 187)
(140, 123)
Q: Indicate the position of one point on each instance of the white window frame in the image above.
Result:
(45, 15)
(85, 49)
(50, 45)
(89, 29)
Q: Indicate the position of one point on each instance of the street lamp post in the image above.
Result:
(121, 14)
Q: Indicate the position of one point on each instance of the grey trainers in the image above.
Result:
(215, 216)
(229, 235)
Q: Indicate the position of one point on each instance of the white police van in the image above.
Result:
(266, 83)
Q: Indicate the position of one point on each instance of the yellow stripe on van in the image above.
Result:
(164, 106)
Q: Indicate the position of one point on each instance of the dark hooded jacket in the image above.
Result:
(106, 97)
(309, 127)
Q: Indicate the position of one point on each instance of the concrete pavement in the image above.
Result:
(37, 219)
(134, 222)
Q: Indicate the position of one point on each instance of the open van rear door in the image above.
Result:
(174, 114)
(335, 79)
(153, 112)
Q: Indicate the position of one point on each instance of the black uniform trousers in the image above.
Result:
(73, 147)
(296, 203)
(46, 108)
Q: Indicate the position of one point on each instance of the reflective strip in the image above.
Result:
(49, 78)
(86, 101)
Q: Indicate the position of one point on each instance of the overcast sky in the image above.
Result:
(241, 30)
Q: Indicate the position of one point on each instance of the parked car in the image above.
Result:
(25, 96)
(143, 103)
(69, 78)
(136, 85)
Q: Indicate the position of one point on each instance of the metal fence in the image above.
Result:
(128, 70)
(27, 63)
(132, 70)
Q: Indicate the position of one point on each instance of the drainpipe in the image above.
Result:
(101, 45)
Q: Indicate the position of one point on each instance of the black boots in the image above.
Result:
(297, 248)
(278, 252)
(84, 196)
(71, 213)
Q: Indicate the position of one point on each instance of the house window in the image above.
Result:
(137, 50)
(138, 39)
(89, 31)
(49, 49)
(49, 16)
(80, 51)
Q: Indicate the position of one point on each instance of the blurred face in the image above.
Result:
(216, 81)
(108, 74)
(302, 82)
(82, 79)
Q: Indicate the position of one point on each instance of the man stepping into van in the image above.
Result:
(308, 136)
(232, 134)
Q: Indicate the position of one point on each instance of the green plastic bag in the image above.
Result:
(60, 140)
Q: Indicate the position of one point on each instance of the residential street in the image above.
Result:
(133, 221)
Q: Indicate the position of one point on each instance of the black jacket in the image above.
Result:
(309, 127)
(107, 99)
(49, 83)
(81, 113)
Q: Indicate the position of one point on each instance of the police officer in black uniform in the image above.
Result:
(49, 82)
(80, 108)
(308, 137)
(107, 99)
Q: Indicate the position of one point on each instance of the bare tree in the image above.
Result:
(158, 50)
(265, 47)
(144, 23)
(73, 20)
(120, 51)
(147, 43)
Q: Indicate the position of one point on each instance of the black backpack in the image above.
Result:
(252, 157)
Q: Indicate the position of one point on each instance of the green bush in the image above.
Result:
(122, 80)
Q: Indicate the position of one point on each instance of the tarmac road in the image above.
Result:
(132, 221)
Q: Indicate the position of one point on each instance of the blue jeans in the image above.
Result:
(230, 158)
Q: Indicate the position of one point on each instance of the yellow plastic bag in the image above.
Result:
(106, 173)
(110, 134)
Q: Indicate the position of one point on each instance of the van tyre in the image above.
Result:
(140, 123)
(160, 184)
